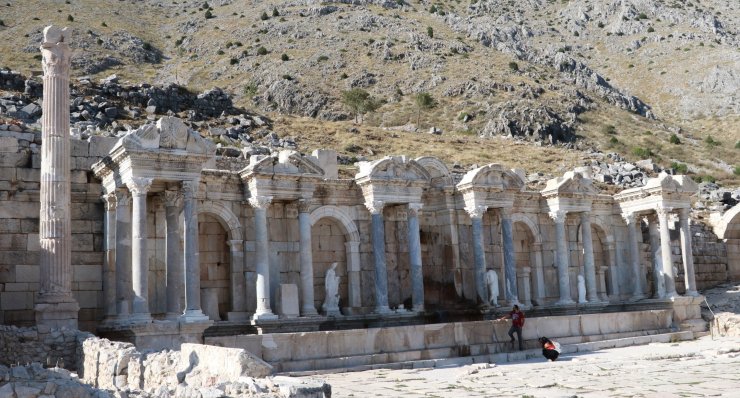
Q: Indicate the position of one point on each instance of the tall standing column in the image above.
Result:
(588, 258)
(193, 311)
(417, 275)
(656, 257)
(665, 245)
(139, 188)
(686, 253)
(631, 221)
(123, 253)
(174, 266)
(55, 305)
(109, 265)
(507, 232)
(381, 272)
(539, 275)
(238, 281)
(262, 257)
(613, 274)
(353, 273)
(479, 254)
(563, 261)
(526, 283)
(308, 307)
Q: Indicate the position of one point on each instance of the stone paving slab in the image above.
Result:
(702, 367)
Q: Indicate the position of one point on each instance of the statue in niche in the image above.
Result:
(581, 289)
(492, 283)
(331, 285)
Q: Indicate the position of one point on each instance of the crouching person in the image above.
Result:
(550, 349)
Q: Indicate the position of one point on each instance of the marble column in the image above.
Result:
(539, 275)
(123, 253)
(507, 236)
(55, 305)
(193, 310)
(175, 278)
(686, 253)
(109, 262)
(656, 257)
(665, 245)
(417, 275)
(588, 258)
(613, 274)
(238, 281)
(262, 257)
(563, 263)
(308, 307)
(139, 187)
(525, 276)
(353, 273)
(381, 272)
(479, 254)
(601, 283)
(632, 222)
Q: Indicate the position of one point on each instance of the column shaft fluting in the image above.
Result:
(507, 235)
(539, 275)
(637, 291)
(381, 273)
(417, 276)
(308, 307)
(193, 310)
(563, 261)
(139, 188)
(656, 258)
(588, 258)
(109, 267)
(238, 281)
(55, 305)
(687, 253)
(123, 253)
(175, 267)
(262, 256)
(665, 245)
(479, 254)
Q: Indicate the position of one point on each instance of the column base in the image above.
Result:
(268, 315)
(637, 298)
(58, 315)
(692, 293)
(309, 311)
(194, 316)
(382, 310)
(565, 302)
(142, 317)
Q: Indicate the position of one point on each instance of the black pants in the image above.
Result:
(518, 331)
(550, 354)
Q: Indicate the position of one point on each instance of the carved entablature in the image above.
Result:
(492, 186)
(572, 192)
(165, 151)
(287, 175)
(392, 180)
(664, 191)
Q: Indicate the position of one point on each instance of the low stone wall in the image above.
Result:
(35, 381)
(710, 257)
(284, 347)
(53, 347)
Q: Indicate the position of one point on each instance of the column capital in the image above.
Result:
(684, 212)
(304, 205)
(414, 209)
(663, 210)
(55, 52)
(110, 200)
(558, 216)
(139, 186)
(123, 197)
(260, 202)
(190, 188)
(172, 198)
(505, 213)
(375, 207)
(629, 218)
(586, 215)
(476, 211)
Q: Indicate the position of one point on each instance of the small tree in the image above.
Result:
(360, 102)
(424, 102)
(275, 12)
(674, 139)
(430, 32)
(514, 66)
(264, 16)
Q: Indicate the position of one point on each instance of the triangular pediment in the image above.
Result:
(286, 163)
(393, 168)
(169, 133)
(493, 176)
(570, 183)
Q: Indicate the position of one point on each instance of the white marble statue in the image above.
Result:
(492, 282)
(331, 284)
(581, 289)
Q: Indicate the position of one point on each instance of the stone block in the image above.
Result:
(26, 273)
(13, 241)
(87, 273)
(8, 145)
(16, 301)
(288, 301)
(13, 209)
(79, 147)
(78, 177)
(28, 175)
(223, 364)
(101, 146)
(16, 287)
(10, 225)
(87, 299)
(8, 173)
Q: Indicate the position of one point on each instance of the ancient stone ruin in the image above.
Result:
(148, 239)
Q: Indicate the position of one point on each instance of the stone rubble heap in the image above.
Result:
(723, 311)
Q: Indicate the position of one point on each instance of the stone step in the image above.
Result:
(478, 353)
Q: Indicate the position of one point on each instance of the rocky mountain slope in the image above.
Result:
(643, 78)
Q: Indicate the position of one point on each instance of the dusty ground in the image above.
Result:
(709, 366)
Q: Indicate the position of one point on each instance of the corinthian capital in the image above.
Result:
(260, 202)
(558, 216)
(123, 197)
(55, 52)
(375, 207)
(304, 206)
(476, 211)
(172, 198)
(110, 201)
(663, 211)
(190, 188)
(414, 209)
(139, 185)
(629, 218)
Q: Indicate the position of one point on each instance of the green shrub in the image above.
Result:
(513, 66)
(233, 61)
(642, 153)
(70, 18)
(600, 24)
(343, 76)
(105, 25)
(642, 16)
(708, 178)
(275, 12)
(322, 58)
(680, 168)
(285, 57)
(209, 15)
(651, 29)
(287, 77)
(613, 141)
(674, 140)
(737, 145)
(264, 16)
(711, 142)
(736, 171)
(609, 129)
(262, 51)
(250, 90)
(432, 9)
(430, 31)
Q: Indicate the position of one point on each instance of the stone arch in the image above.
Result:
(438, 171)
(526, 237)
(604, 256)
(226, 217)
(350, 229)
(533, 227)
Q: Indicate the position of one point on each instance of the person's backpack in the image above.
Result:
(557, 346)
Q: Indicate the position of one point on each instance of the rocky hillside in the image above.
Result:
(642, 78)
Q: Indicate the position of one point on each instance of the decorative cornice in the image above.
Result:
(663, 211)
(190, 188)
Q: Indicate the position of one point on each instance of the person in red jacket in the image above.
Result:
(550, 349)
(517, 323)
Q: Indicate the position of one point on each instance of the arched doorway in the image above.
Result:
(215, 270)
(328, 246)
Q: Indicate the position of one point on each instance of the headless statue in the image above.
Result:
(492, 283)
(331, 284)
(581, 289)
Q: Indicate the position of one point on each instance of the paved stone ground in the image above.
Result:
(702, 367)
